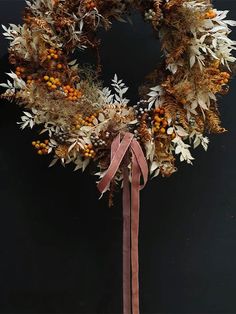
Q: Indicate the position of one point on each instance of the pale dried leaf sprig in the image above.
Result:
(28, 119)
(155, 97)
(120, 90)
(182, 149)
(17, 83)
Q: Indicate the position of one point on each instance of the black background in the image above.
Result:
(60, 247)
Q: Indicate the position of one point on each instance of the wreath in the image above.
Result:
(86, 122)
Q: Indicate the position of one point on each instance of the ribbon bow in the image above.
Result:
(120, 150)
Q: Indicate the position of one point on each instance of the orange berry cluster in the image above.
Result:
(55, 57)
(160, 123)
(30, 79)
(41, 147)
(220, 82)
(71, 93)
(223, 78)
(211, 14)
(217, 79)
(87, 121)
(20, 71)
(53, 54)
(88, 151)
(90, 4)
(52, 82)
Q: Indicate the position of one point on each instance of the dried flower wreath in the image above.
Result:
(86, 122)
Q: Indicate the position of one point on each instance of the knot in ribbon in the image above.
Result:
(120, 152)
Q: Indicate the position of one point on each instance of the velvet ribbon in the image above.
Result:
(121, 151)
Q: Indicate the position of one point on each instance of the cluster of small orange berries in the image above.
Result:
(217, 79)
(223, 78)
(53, 54)
(71, 93)
(211, 14)
(90, 4)
(52, 82)
(88, 151)
(30, 79)
(20, 71)
(160, 123)
(55, 58)
(87, 121)
(41, 147)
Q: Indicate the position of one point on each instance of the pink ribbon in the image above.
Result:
(120, 151)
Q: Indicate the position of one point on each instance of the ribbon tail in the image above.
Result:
(126, 244)
(135, 206)
(119, 152)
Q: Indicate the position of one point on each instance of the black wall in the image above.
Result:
(60, 247)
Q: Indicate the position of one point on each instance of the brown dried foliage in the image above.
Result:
(143, 130)
(163, 155)
(61, 151)
(213, 122)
